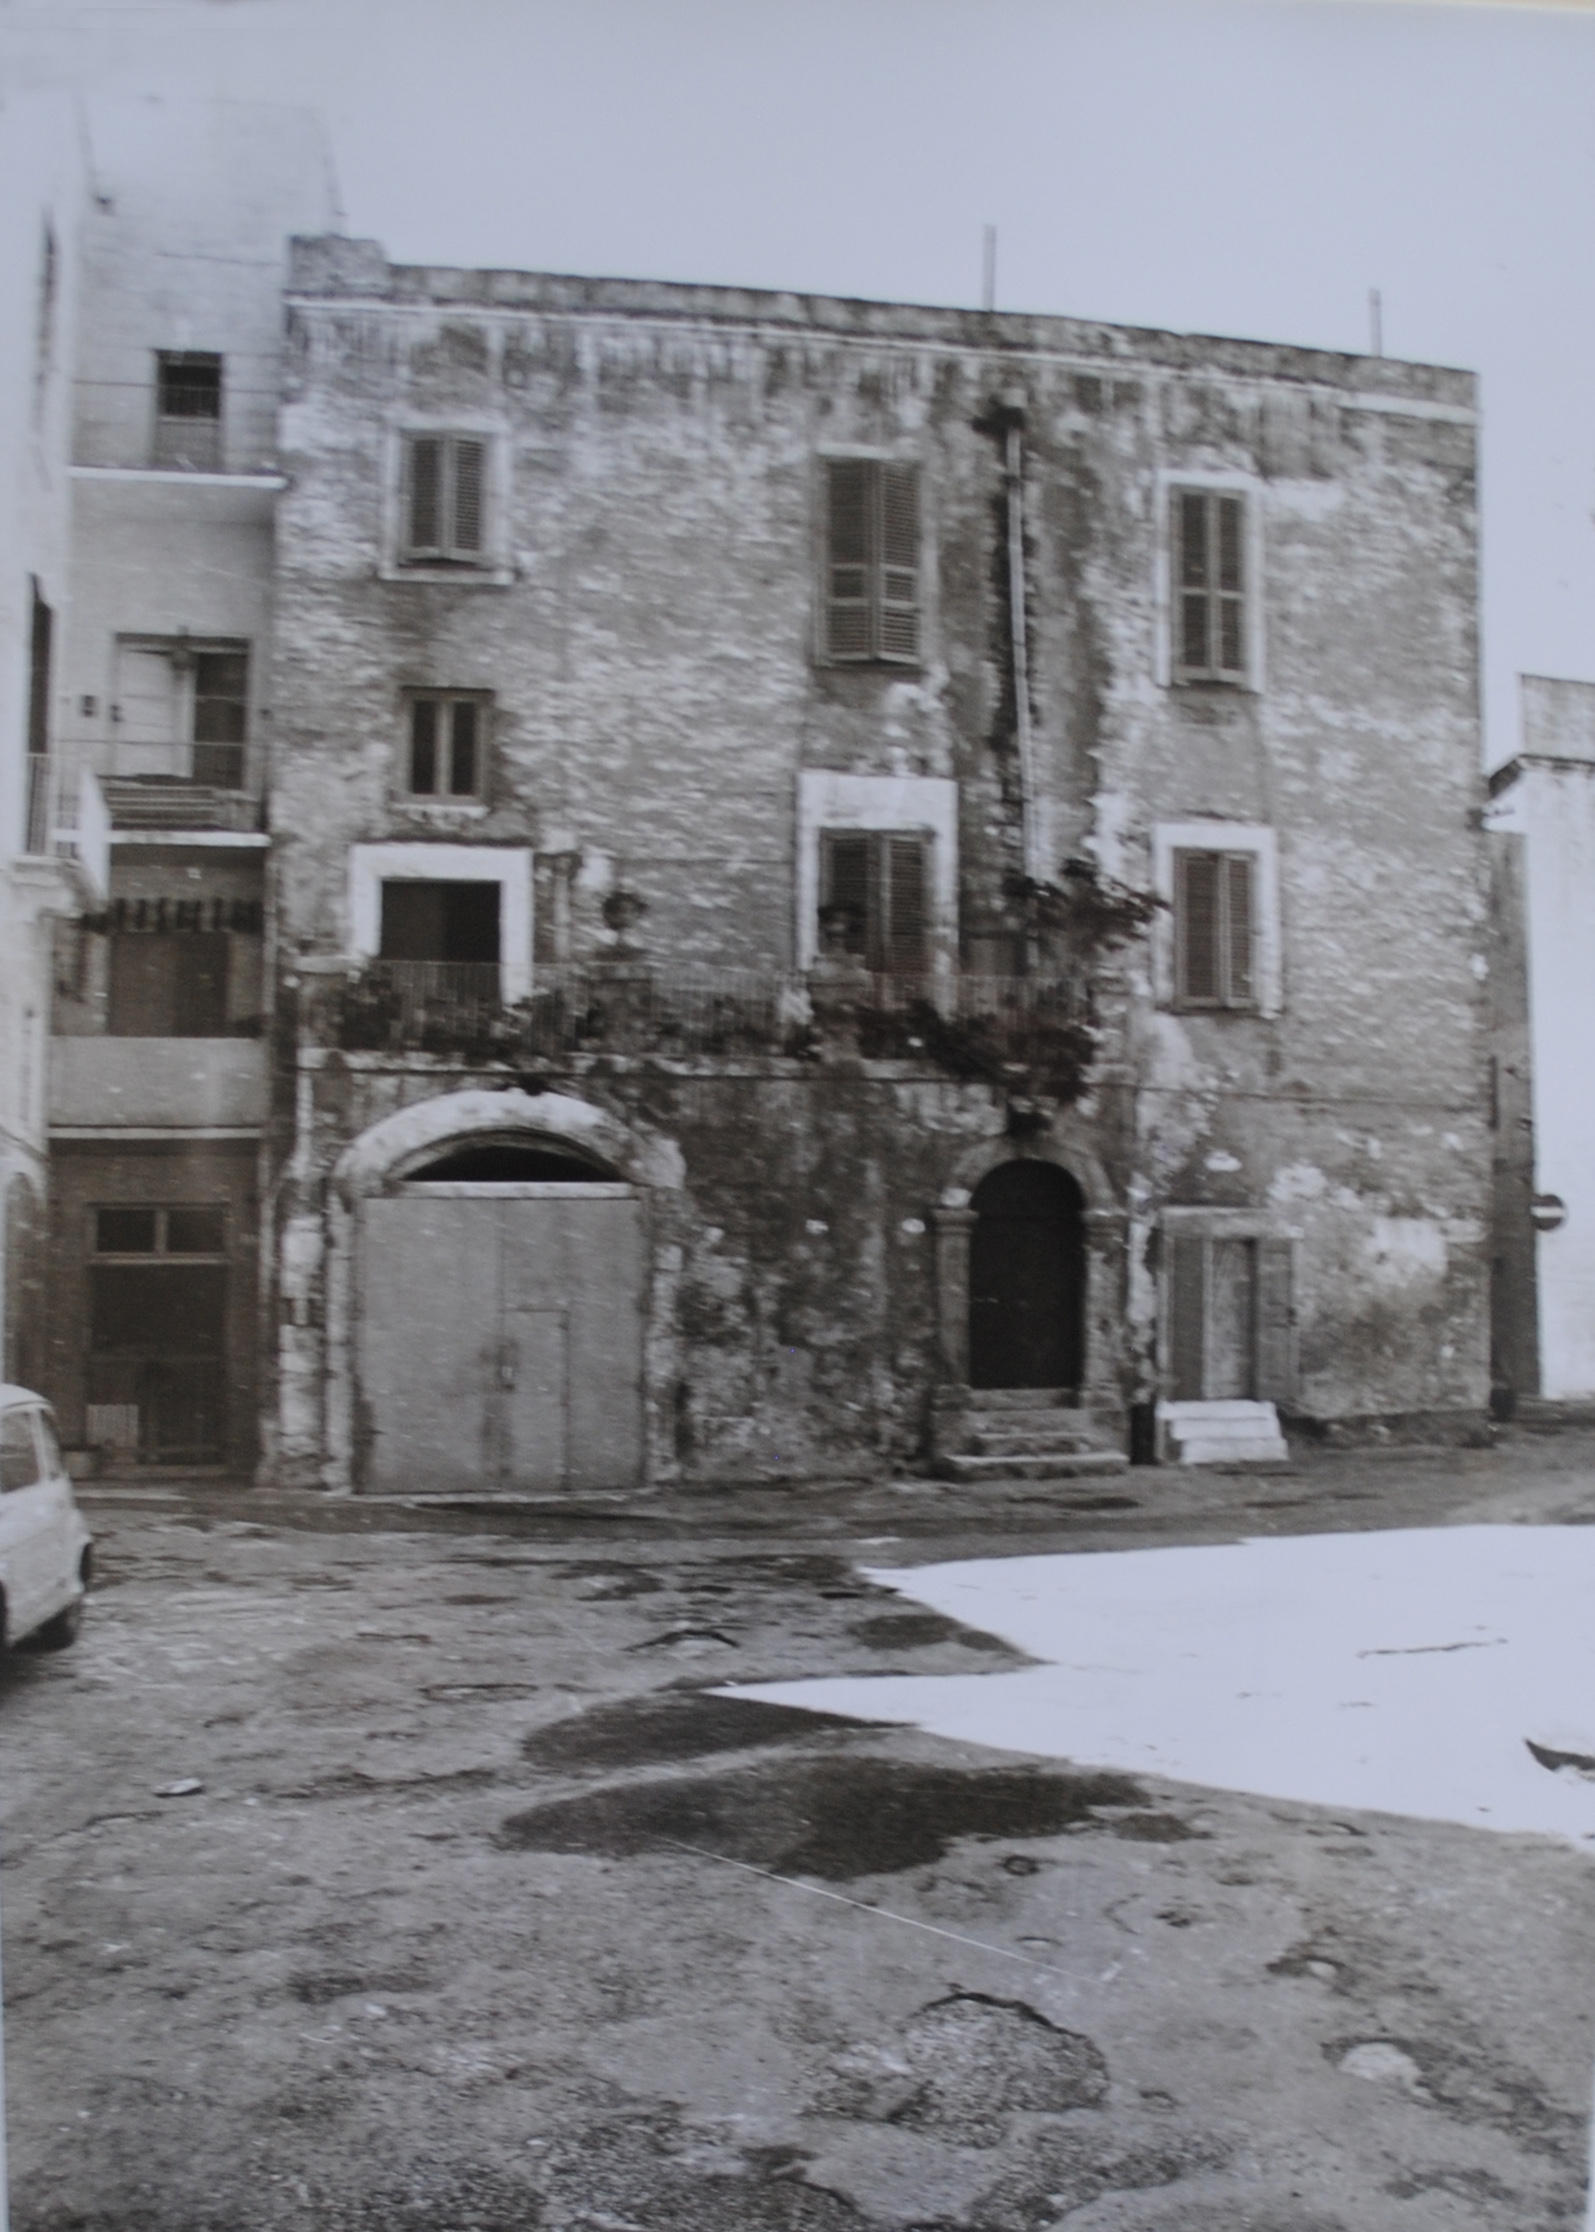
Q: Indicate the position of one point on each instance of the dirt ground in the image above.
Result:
(487, 1914)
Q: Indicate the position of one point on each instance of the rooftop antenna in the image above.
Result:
(988, 270)
(1376, 321)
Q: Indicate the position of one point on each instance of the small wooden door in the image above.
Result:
(1027, 1279)
(500, 1338)
(1229, 1319)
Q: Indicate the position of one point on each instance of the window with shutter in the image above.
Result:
(1214, 932)
(445, 497)
(1210, 618)
(444, 753)
(874, 899)
(871, 587)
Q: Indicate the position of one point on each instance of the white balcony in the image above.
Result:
(158, 1084)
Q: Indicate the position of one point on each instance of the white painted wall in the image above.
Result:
(1551, 802)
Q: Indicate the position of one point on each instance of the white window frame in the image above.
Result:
(911, 805)
(509, 866)
(1166, 487)
(495, 568)
(1170, 838)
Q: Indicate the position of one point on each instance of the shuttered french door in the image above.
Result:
(1229, 1319)
(877, 883)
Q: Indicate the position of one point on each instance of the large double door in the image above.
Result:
(500, 1341)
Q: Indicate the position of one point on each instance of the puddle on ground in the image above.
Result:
(833, 1818)
(682, 1725)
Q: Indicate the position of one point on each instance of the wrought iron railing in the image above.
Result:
(997, 1028)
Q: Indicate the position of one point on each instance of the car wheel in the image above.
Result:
(57, 1634)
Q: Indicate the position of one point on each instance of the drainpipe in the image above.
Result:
(1014, 473)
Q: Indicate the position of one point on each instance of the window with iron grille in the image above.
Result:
(874, 899)
(871, 588)
(1211, 620)
(445, 747)
(1214, 929)
(188, 410)
(444, 500)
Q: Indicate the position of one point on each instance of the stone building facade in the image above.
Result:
(834, 866)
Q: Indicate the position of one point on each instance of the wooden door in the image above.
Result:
(501, 1338)
(1229, 1319)
(1027, 1279)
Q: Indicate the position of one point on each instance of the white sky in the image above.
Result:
(1223, 166)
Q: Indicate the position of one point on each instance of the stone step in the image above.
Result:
(981, 1439)
(1057, 1465)
(1225, 1432)
(1015, 1398)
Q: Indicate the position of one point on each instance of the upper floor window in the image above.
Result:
(1214, 929)
(1211, 620)
(147, 1230)
(871, 586)
(445, 747)
(444, 497)
(188, 410)
(874, 899)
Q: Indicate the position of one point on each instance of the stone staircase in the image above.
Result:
(1222, 1433)
(1020, 1433)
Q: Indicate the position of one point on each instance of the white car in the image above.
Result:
(45, 1553)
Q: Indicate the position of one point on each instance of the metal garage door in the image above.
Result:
(500, 1341)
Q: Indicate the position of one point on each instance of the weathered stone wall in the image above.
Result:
(649, 635)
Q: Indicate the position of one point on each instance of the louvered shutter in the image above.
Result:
(424, 747)
(1197, 903)
(425, 537)
(848, 558)
(1191, 534)
(462, 749)
(1238, 929)
(904, 913)
(1187, 1317)
(847, 888)
(1230, 588)
(899, 567)
(1276, 1330)
(468, 459)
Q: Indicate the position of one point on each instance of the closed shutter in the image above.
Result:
(468, 459)
(1187, 1299)
(1238, 929)
(425, 536)
(848, 632)
(899, 578)
(424, 746)
(1197, 936)
(462, 750)
(1276, 1330)
(1229, 595)
(1191, 518)
(905, 921)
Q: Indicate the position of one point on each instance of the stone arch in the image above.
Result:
(399, 1144)
(384, 1162)
(1067, 1145)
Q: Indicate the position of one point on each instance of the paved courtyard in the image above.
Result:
(390, 1866)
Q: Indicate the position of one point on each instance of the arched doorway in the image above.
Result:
(500, 1320)
(1027, 1278)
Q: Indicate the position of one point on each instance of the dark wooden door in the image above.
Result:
(1027, 1279)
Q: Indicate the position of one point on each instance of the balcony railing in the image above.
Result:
(998, 1028)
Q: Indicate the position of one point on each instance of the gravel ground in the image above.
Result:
(486, 1913)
